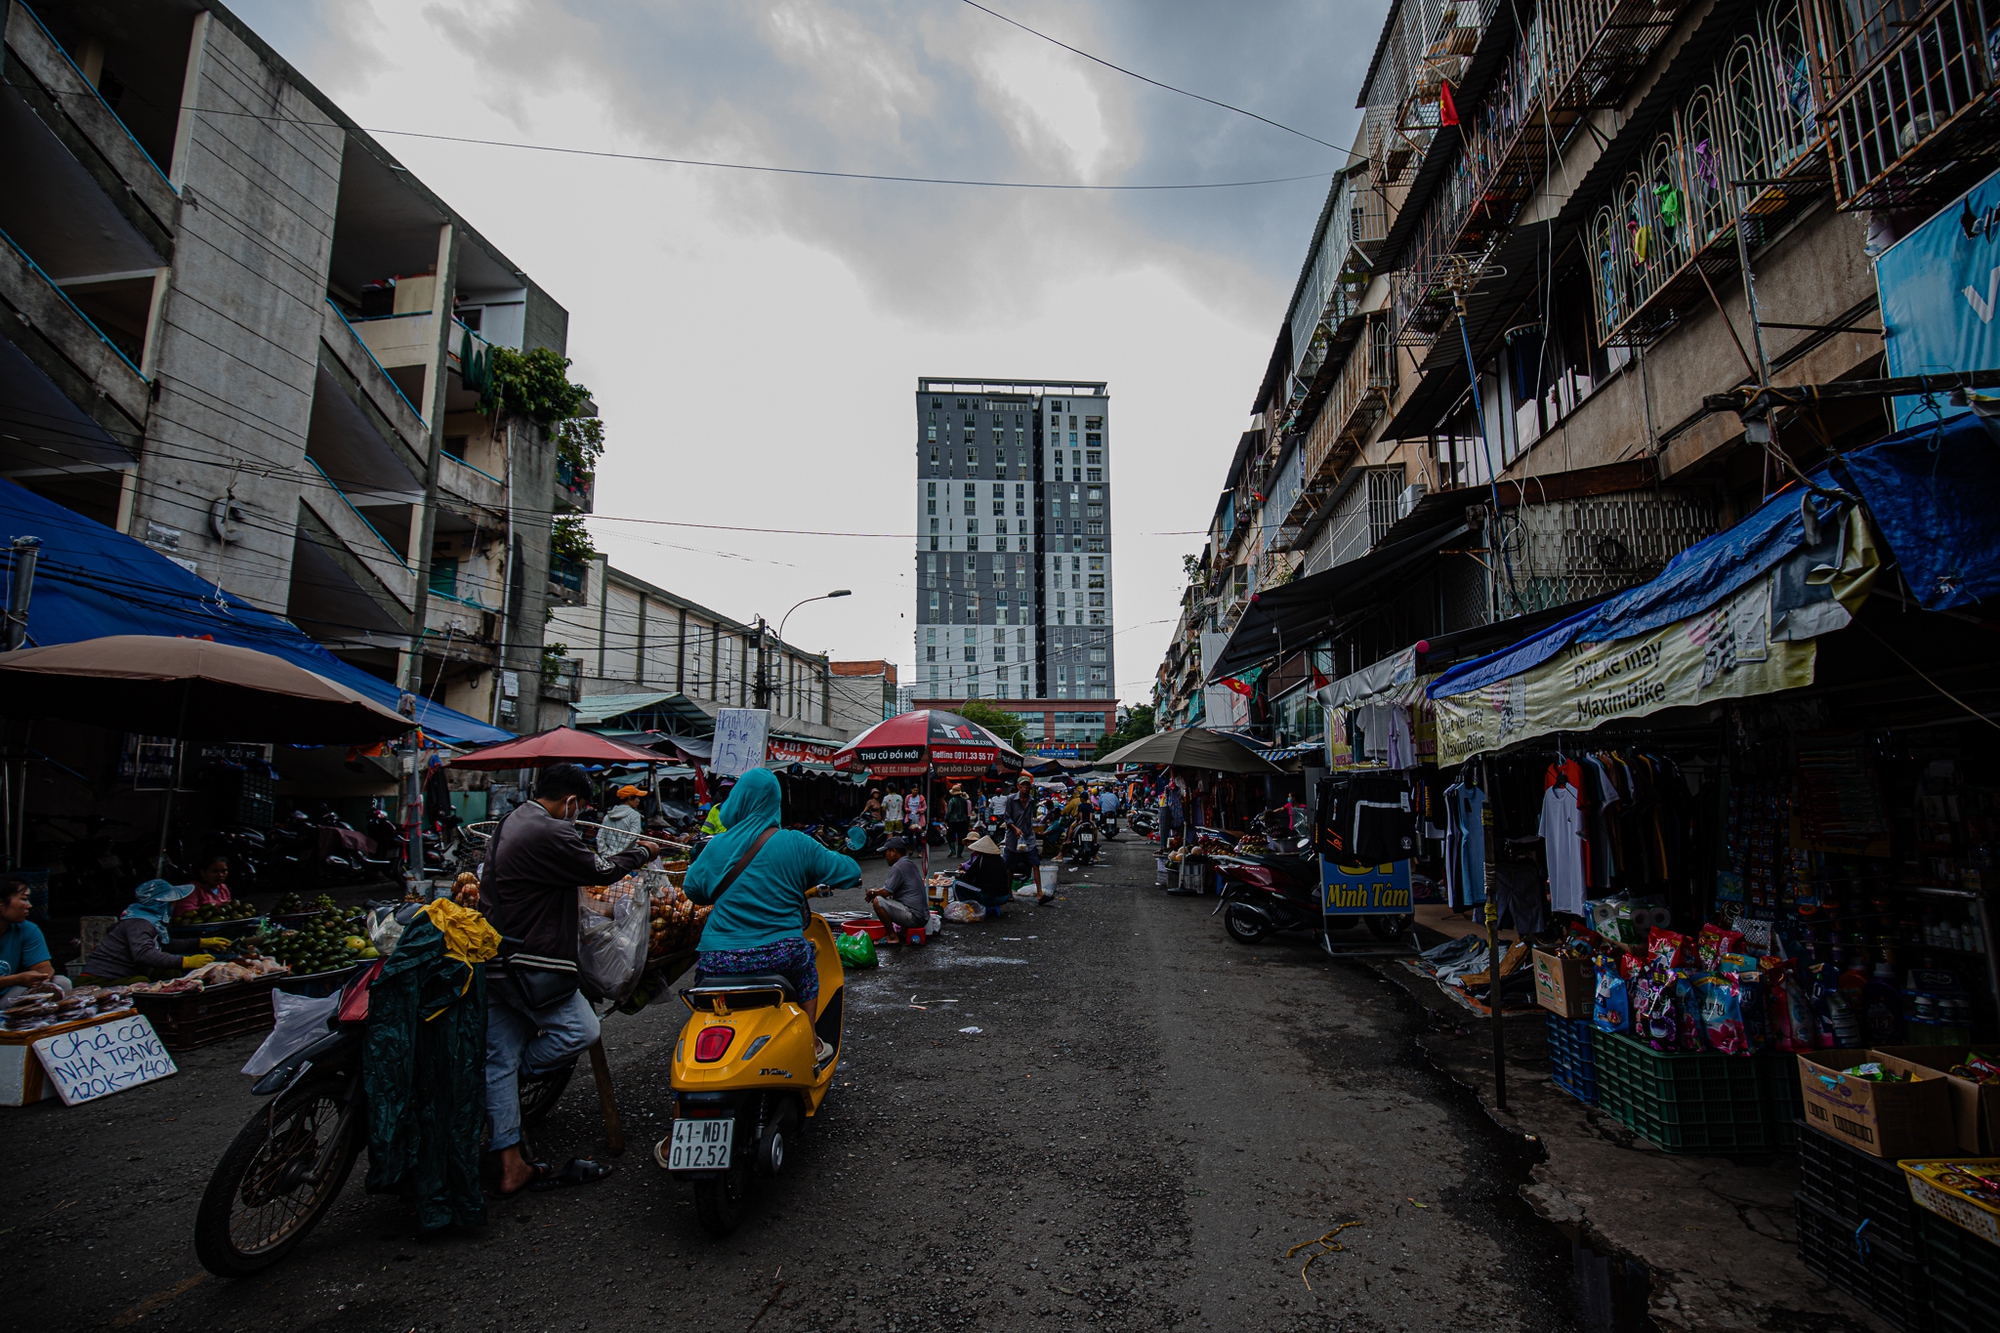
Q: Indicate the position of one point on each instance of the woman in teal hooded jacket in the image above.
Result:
(757, 923)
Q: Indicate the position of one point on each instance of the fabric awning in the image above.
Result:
(1289, 616)
(1737, 615)
(93, 581)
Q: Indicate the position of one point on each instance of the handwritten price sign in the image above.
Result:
(97, 1061)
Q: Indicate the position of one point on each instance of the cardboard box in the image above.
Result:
(1975, 1109)
(1891, 1120)
(1565, 986)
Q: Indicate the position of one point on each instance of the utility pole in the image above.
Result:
(27, 552)
(763, 684)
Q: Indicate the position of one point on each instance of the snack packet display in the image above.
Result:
(1687, 1013)
(1669, 948)
(1873, 1072)
(1714, 942)
(1722, 1014)
(1611, 1009)
(1978, 1068)
(1656, 1009)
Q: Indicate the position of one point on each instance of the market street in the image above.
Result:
(1148, 1117)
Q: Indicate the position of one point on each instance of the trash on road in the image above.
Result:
(971, 1032)
(1328, 1245)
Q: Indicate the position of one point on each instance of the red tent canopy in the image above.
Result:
(560, 745)
(910, 745)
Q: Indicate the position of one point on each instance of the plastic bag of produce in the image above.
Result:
(963, 909)
(611, 945)
(856, 951)
(300, 1022)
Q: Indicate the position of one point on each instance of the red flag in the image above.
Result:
(1320, 681)
(1447, 109)
(1242, 687)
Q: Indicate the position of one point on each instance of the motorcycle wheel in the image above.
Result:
(1388, 927)
(721, 1201)
(259, 1205)
(541, 1092)
(1244, 926)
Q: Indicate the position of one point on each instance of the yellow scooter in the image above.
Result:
(747, 1076)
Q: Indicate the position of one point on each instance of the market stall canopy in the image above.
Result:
(1738, 614)
(558, 745)
(191, 689)
(1293, 614)
(1191, 747)
(93, 582)
(1061, 764)
(926, 740)
(657, 709)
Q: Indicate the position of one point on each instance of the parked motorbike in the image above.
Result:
(1268, 894)
(865, 838)
(391, 852)
(285, 1168)
(746, 1079)
(1144, 822)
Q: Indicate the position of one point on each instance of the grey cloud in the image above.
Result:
(919, 87)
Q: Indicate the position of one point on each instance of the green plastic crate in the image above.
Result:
(1784, 1100)
(1694, 1103)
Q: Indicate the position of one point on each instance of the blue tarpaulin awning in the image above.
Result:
(1932, 491)
(92, 581)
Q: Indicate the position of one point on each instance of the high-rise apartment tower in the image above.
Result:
(1014, 540)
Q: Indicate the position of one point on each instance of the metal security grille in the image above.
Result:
(1569, 550)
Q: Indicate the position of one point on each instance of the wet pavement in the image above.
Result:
(1102, 1114)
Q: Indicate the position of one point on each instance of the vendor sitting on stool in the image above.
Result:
(901, 902)
(209, 888)
(984, 879)
(137, 948)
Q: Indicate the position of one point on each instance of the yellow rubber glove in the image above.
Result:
(216, 943)
(195, 960)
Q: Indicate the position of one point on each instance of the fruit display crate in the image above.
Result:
(1887, 1280)
(1693, 1103)
(1850, 1183)
(194, 1019)
(1963, 1273)
(1573, 1057)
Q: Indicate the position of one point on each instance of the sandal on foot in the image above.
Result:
(537, 1172)
(576, 1171)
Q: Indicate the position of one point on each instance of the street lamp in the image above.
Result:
(763, 685)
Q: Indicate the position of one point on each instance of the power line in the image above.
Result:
(1134, 74)
(856, 175)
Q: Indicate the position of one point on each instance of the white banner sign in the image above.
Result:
(740, 737)
(97, 1061)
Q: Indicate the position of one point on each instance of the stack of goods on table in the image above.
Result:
(1204, 845)
(54, 1007)
(328, 939)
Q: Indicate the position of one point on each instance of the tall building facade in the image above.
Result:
(1013, 558)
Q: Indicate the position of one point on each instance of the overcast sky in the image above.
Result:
(754, 341)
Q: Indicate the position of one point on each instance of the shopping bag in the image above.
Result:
(856, 951)
(611, 944)
(301, 1021)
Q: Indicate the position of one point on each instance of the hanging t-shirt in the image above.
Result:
(1562, 838)
(1399, 743)
(1464, 845)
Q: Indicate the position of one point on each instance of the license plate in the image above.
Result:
(701, 1145)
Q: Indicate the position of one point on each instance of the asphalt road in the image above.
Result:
(1102, 1114)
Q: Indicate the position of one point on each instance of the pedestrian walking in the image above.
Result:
(957, 819)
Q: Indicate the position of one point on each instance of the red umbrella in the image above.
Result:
(928, 740)
(559, 745)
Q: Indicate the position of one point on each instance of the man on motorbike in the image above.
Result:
(534, 866)
(756, 877)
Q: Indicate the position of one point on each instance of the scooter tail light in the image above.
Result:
(712, 1043)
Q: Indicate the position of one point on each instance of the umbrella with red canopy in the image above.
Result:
(928, 740)
(558, 745)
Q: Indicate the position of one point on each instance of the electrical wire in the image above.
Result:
(1134, 74)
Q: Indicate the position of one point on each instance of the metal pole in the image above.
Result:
(1493, 942)
(27, 551)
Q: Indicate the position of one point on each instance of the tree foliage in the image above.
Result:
(1138, 722)
(1008, 726)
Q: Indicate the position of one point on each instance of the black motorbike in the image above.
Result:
(1270, 894)
(287, 1165)
(1082, 841)
(1144, 822)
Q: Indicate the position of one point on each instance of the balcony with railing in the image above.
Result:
(576, 490)
(1358, 399)
(1744, 149)
(1573, 57)
(1911, 102)
(568, 582)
